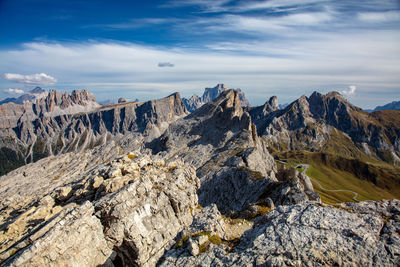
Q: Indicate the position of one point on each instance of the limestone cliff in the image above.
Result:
(52, 125)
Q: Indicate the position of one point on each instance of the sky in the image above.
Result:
(150, 49)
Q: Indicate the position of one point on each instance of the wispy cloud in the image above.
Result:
(39, 78)
(378, 17)
(275, 4)
(350, 91)
(138, 23)
(165, 64)
(13, 91)
(207, 6)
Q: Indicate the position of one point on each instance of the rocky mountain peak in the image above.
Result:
(57, 103)
(37, 90)
(211, 93)
(194, 102)
(271, 105)
(230, 99)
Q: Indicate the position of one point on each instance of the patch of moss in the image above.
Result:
(215, 239)
(182, 241)
(203, 247)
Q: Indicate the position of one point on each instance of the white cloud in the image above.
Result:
(378, 17)
(14, 91)
(350, 91)
(275, 4)
(165, 64)
(205, 5)
(39, 78)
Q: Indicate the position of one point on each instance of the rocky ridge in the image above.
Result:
(310, 123)
(52, 104)
(395, 105)
(233, 164)
(33, 138)
(125, 211)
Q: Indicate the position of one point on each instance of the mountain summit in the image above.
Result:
(194, 102)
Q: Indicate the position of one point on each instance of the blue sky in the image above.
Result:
(149, 49)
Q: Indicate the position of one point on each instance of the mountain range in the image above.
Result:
(395, 105)
(202, 181)
(32, 95)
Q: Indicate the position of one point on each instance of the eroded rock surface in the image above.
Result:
(364, 234)
(124, 211)
(62, 123)
(221, 142)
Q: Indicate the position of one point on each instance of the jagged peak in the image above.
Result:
(333, 94)
(230, 97)
(273, 102)
(175, 95)
(37, 90)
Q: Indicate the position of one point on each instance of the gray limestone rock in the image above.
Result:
(309, 123)
(61, 123)
(220, 141)
(76, 240)
(313, 235)
(127, 210)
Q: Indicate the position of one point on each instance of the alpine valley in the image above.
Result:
(204, 181)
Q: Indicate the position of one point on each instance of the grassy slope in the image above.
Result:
(370, 181)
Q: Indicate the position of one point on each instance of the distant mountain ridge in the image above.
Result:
(328, 122)
(54, 103)
(194, 102)
(30, 96)
(62, 123)
(395, 105)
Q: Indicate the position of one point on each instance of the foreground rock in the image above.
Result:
(126, 211)
(363, 234)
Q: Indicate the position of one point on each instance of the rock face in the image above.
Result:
(79, 231)
(364, 234)
(39, 136)
(221, 142)
(49, 105)
(125, 212)
(194, 102)
(320, 121)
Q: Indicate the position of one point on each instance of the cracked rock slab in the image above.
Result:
(364, 234)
